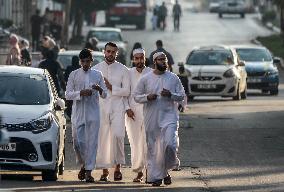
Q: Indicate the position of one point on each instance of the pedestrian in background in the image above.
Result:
(84, 87)
(36, 22)
(154, 18)
(26, 58)
(160, 48)
(159, 91)
(162, 15)
(92, 44)
(14, 55)
(134, 116)
(112, 131)
(176, 15)
(183, 76)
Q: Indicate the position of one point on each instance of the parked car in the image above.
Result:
(33, 115)
(214, 6)
(232, 7)
(261, 68)
(127, 12)
(107, 34)
(65, 57)
(216, 71)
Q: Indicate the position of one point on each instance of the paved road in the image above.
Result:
(225, 145)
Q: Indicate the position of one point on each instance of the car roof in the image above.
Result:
(212, 47)
(21, 70)
(77, 52)
(105, 29)
(247, 46)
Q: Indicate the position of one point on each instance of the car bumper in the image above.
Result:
(43, 145)
(264, 83)
(126, 19)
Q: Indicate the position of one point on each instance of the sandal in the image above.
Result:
(168, 180)
(139, 178)
(90, 179)
(81, 174)
(117, 176)
(104, 177)
(157, 183)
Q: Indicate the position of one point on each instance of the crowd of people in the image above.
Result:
(110, 99)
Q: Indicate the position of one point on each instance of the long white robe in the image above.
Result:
(112, 132)
(135, 128)
(161, 122)
(85, 114)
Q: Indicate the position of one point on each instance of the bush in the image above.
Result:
(268, 16)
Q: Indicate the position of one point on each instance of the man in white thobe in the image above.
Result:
(160, 91)
(112, 132)
(84, 87)
(134, 119)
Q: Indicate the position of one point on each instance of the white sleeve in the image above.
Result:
(124, 89)
(178, 94)
(103, 86)
(140, 92)
(70, 93)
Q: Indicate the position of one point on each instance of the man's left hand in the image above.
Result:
(130, 113)
(98, 88)
(108, 85)
(166, 93)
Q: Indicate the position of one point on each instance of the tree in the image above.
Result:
(80, 8)
(280, 4)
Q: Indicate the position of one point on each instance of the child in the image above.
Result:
(184, 80)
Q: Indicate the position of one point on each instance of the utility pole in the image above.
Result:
(65, 34)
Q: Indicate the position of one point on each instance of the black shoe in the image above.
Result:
(157, 183)
(168, 180)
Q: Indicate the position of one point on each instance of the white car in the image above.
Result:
(216, 71)
(33, 116)
(109, 34)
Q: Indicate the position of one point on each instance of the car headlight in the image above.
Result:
(41, 124)
(270, 73)
(229, 73)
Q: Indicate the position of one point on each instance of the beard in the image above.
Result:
(139, 65)
(161, 67)
(110, 59)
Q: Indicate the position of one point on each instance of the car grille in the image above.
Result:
(206, 78)
(24, 147)
(255, 74)
(17, 127)
(257, 85)
(218, 88)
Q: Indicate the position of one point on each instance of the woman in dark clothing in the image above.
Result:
(25, 54)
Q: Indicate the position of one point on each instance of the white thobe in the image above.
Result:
(112, 132)
(85, 116)
(135, 128)
(161, 122)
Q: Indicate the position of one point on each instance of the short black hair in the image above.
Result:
(111, 44)
(159, 43)
(86, 53)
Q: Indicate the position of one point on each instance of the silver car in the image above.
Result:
(232, 7)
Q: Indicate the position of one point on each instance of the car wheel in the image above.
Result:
(244, 94)
(220, 15)
(242, 15)
(238, 95)
(50, 175)
(274, 92)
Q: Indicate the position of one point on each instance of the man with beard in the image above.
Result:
(160, 91)
(112, 132)
(134, 120)
(83, 88)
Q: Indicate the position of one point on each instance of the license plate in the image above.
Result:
(114, 18)
(206, 86)
(8, 147)
(254, 80)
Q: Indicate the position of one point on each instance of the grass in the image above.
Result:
(275, 43)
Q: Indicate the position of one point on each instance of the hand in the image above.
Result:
(130, 113)
(152, 97)
(98, 88)
(86, 92)
(108, 85)
(166, 93)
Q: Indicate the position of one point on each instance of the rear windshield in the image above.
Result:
(254, 55)
(210, 57)
(105, 35)
(20, 89)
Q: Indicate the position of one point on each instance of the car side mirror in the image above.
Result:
(242, 63)
(59, 104)
(276, 61)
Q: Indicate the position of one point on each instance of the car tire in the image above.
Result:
(244, 94)
(220, 15)
(50, 175)
(242, 15)
(237, 97)
(274, 92)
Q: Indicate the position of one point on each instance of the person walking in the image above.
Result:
(36, 21)
(84, 87)
(14, 55)
(159, 91)
(134, 119)
(160, 48)
(26, 58)
(137, 45)
(176, 15)
(162, 14)
(112, 132)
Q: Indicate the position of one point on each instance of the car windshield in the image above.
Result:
(105, 35)
(210, 57)
(66, 60)
(254, 55)
(22, 89)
